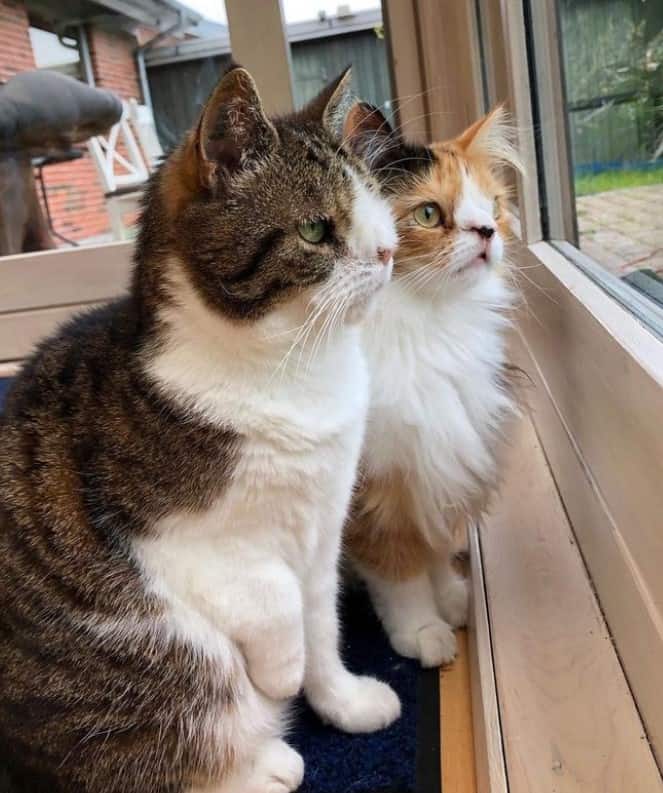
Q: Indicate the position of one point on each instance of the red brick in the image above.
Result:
(16, 47)
(114, 63)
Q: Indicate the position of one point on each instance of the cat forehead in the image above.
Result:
(310, 144)
(310, 166)
(473, 194)
(456, 179)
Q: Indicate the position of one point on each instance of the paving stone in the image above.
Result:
(623, 229)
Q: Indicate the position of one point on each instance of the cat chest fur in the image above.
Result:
(438, 400)
(301, 438)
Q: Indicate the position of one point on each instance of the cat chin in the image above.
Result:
(475, 269)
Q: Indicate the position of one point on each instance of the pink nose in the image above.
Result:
(384, 255)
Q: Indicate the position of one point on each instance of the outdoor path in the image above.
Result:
(623, 229)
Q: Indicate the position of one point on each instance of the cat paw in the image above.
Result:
(453, 601)
(433, 644)
(278, 769)
(357, 704)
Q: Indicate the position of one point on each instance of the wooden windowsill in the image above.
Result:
(458, 766)
(553, 712)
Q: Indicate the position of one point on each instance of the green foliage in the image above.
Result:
(587, 184)
(613, 51)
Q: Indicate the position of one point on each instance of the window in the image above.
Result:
(585, 86)
(612, 101)
(55, 52)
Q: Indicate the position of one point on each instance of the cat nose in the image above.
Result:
(384, 255)
(485, 232)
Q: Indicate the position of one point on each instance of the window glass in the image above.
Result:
(613, 63)
(182, 76)
(51, 51)
(85, 184)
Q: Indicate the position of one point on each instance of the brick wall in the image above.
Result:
(76, 199)
(16, 50)
(113, 62)
(75, 194)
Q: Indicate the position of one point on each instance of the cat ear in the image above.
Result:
(493, 137)
(369, 134)
(331, 105)
(233, 129)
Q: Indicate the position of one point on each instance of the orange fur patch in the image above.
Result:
(443, 184)
(382, 534)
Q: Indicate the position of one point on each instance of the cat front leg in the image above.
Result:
(451, 591)
(232, 589)
(352, 703)
(409, 613)
(268, 625)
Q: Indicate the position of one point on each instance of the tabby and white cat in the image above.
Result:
(173, 484)
(440, 395)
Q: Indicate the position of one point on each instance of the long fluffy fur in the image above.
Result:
(440, 395)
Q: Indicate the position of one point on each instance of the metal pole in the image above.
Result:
(86, 59)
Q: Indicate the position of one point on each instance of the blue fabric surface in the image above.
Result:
(5, 382)
(340, 763)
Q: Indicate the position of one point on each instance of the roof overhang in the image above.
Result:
(115, 14)
(193, 49)
(160, 14)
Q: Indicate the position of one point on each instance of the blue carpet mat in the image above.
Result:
(401, 759)
(381, 761)
(5, 382)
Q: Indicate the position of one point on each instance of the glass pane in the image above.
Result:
(613, 60)
(79, 139)
(321, 46)
(74, 187)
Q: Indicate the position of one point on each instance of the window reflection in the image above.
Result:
(613, 60)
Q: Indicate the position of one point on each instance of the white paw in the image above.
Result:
(433, 644)
(453, 601)
(278, 769)
(357, 704)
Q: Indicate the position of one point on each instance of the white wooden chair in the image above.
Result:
(142, 121)
(123, 175)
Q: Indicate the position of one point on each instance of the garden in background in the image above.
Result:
(613, 60)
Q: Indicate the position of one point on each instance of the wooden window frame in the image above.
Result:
(597, 368)
(591, 347)
(39, 291)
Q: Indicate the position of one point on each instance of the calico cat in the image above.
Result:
(440, 395)
(173, 483)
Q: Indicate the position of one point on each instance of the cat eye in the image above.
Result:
(496, 207)
(428, 215)
(313, 231)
